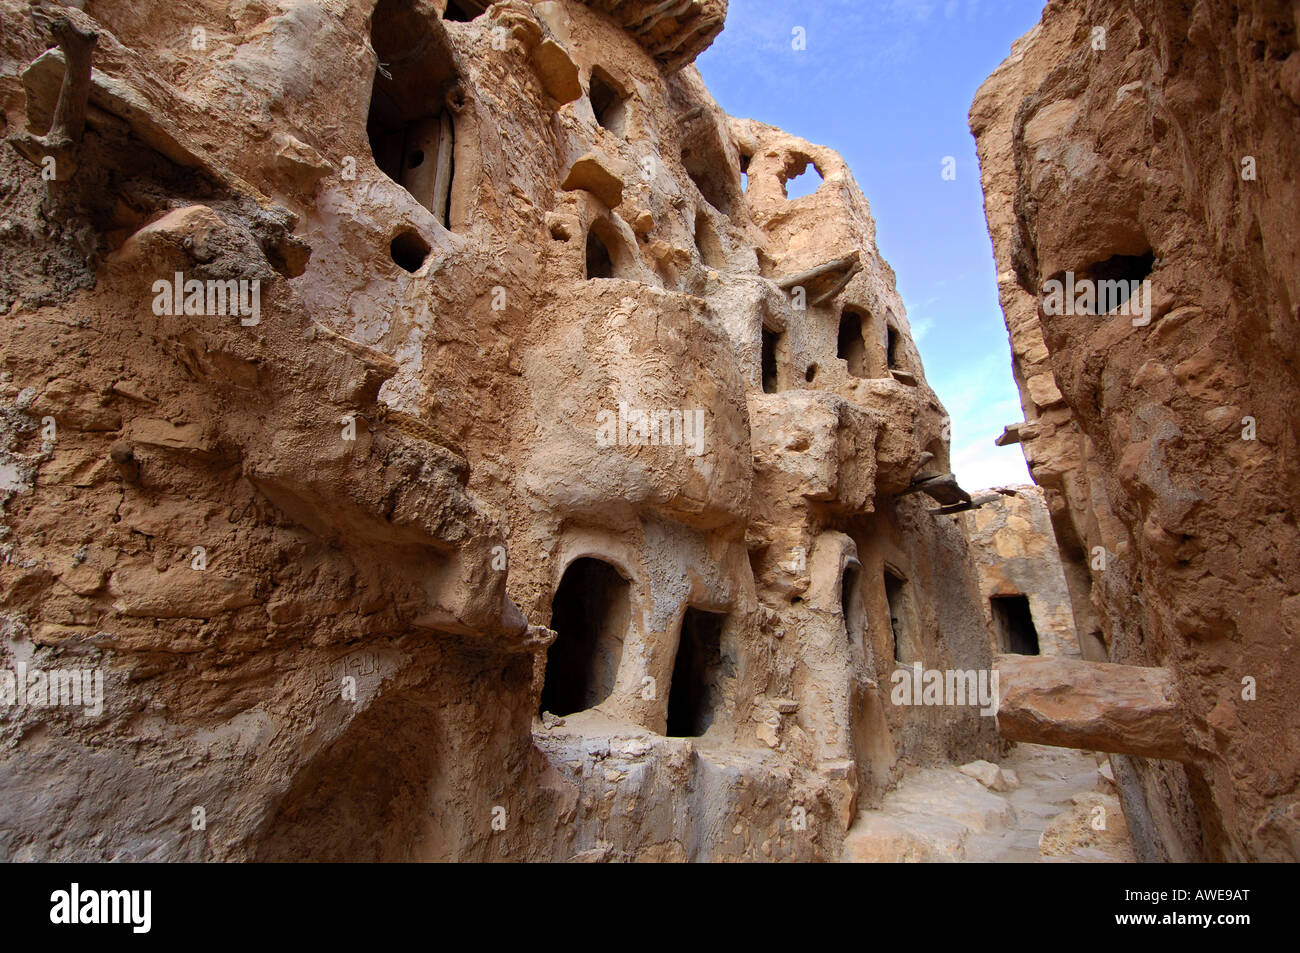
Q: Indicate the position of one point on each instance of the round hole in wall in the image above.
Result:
(417, 159)
(811, 373)
(409, 250)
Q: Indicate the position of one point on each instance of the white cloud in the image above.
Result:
(981, 400)
(980, 465)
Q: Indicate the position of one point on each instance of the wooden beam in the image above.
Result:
(1095, 706)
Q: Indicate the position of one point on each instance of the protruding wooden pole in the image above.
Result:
(1097, 706)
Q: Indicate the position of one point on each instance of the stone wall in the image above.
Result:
(319, 549)
(1016, 555)
(1156, 141)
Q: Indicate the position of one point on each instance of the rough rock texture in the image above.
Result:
(1016, 554)
(1055, 811)
(392, 566)
(1167, 151)
(1096, 706)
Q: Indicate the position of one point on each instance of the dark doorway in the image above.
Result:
(770, 376)
(599, 262)
(707, 172)
(852, 349)
(590, 615)
(412, 136)
(1014, 624)
(893, 345)
(608, 101)
(699, 672)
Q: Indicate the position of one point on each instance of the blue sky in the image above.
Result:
(888, 84)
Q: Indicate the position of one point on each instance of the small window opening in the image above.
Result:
(810, 375)
(1014, 624)
(411, 133)
(600, 264)
(770, 382)
(1114, 278)
(893, 348)
(409, 251)
(700, 673)
(797, 182)
(590, 614)
(851, 348)
(608, 101)
(709, 177)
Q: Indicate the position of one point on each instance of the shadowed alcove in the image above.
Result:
(700, 668)
(590, 614)
(411, 130)
(1014, 624)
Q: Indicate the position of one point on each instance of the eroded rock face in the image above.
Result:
(379, 379)
(1155, 142)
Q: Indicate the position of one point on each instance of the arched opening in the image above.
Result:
(771, 375)
(700, 672)
(708, 175)
(608, 252)
(893, 348)
(600, 263)
(1014, 624)
(852, 347)
(411, 132)
(1113, 281)
(795, 180)
(608, 101)
(851, 602)
(590, 614)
